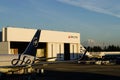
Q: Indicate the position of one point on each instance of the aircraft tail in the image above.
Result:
(83, 56)
(32, 46)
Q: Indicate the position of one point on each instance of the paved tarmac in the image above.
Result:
(72, 71)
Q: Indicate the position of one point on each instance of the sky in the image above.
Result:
(97, 20)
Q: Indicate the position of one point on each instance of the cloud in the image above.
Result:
(109, 7)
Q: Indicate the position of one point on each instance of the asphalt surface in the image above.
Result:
(71, 71)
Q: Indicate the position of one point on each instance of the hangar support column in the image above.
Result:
(5, 47)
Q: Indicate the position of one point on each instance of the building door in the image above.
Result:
(66, 51)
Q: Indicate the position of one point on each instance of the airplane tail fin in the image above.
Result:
(83, 56)
(32, 46)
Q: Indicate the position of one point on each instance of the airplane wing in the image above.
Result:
(18, 66)
(52, 62)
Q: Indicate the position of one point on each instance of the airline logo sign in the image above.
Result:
(35, 42)
(73, 37)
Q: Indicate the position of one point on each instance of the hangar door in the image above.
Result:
(19, 47)
(66, 51)
(41, 51)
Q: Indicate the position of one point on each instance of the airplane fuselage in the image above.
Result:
(15, 59)
(8, 60)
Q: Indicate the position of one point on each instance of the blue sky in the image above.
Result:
(93, 19)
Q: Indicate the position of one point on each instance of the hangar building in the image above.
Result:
(65, 45)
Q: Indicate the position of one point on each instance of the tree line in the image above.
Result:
(106, 48)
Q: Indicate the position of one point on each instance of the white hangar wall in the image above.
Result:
(57, 36)
(23, 34)
(17, 34)
(55, 42)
